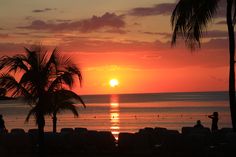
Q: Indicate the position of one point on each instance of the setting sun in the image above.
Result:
(114, 82)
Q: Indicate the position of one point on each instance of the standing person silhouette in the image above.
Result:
(215, 118)
(2, 124)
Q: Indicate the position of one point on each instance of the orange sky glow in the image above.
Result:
(126, 40)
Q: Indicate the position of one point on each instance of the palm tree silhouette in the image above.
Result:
(189, 18)
(44, 74)
(64, 100)
(59, 101)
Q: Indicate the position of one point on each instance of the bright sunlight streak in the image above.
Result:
(114, 82)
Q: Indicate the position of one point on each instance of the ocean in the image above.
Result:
(130, 112)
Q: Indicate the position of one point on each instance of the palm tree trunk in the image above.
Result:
(54, 121)
(232, 61)
(41, 124)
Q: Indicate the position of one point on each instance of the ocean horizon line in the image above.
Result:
(153, 97)
(156, 97)
(139, 93)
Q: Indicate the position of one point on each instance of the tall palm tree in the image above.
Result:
(59, 101)
(189, 18)
(43, 73)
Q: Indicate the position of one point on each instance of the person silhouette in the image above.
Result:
(214, 124)
(2, 124)
(198, 124)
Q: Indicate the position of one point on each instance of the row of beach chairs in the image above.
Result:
(156, 140)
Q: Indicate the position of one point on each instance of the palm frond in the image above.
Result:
(76, 71)
(30, 76)
(190, 18)
(53, 59)
(72, 108)
(8, 82)
(68, 105)
(65, 95)
(13, 63)
(81, 101)
(64, 60)
(55, 84)
(65, 78)
(30, 113)
(31, 56)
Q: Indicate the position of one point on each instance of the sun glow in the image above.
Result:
(114, 82)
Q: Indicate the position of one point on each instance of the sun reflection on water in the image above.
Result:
(114, 116)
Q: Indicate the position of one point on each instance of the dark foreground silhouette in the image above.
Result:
(146, 142)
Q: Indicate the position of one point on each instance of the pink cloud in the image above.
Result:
(110, 20)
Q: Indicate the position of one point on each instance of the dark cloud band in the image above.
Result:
(88, 25)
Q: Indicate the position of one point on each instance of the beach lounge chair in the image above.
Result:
(67, 130)
(106, 141)
(17, 141)
(17, 131)
(80, 130)
(126, 141)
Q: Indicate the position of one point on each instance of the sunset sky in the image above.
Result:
(124, 39)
